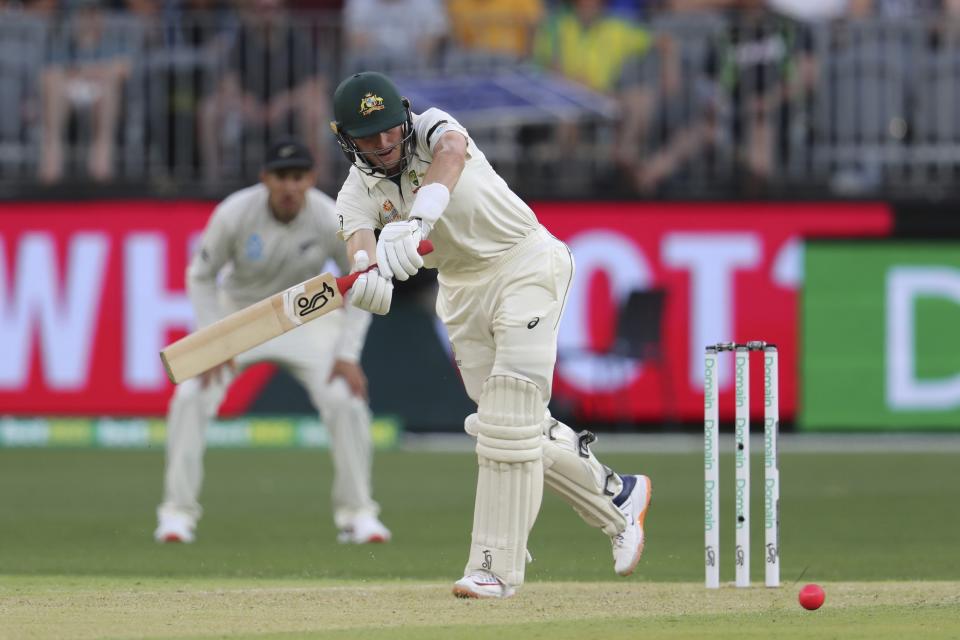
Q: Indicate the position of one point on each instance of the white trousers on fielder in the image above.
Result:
(307, 354)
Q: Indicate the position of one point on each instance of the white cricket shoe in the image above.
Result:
(482, 584)
(628, 544)
(174, 527)
(365, 529)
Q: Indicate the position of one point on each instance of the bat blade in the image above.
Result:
(243, 330)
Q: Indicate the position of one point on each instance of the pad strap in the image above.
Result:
(574, 473)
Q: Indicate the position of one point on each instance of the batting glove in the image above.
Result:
(397, 255)
(371, 291)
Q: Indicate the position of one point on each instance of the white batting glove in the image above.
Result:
(397, 255)
(371, 291)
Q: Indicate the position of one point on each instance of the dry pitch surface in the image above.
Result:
(82, 608)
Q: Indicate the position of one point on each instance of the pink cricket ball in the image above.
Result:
(811, 597)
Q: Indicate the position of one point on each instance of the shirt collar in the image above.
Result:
(369, 181)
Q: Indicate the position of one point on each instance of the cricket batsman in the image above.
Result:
(259, 241)
(503, 282)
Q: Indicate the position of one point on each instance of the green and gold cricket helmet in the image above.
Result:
(365, 104)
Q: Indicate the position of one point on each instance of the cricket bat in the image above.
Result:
(243, 330)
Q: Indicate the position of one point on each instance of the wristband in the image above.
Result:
(431, 200)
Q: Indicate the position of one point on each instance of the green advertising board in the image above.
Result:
(880, 336)
(260, 432)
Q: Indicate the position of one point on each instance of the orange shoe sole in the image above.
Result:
(640, 520)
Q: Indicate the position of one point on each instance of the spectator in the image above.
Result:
(201, 26)
(763, 70)
(681, 127)
(275, 84)
(502, 27)
(587, 43)
(86, 70)
(23, 35)
(147, 14)
(184, 69)
(394, 34)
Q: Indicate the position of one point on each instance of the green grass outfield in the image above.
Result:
(881, 533)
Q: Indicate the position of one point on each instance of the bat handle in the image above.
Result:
(345, 282)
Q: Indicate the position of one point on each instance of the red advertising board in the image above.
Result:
(89, 293)
(729, 272)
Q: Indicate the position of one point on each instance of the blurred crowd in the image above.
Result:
(714, 96)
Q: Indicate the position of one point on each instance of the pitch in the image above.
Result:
(878, 531)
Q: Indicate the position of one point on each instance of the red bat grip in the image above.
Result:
(345, 282)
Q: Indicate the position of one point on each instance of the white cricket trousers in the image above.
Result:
(505, 322)
(307, 353)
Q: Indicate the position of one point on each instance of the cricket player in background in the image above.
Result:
(259, 241)
(503, 285)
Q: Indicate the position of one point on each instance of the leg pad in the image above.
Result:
(510, 478)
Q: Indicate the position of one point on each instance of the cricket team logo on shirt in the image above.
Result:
(414, 178)
(390, 212)
(254, 247)
(370, 103)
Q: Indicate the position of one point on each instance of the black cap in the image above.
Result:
(288, 154)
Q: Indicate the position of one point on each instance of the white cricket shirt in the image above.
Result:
(483, 221)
